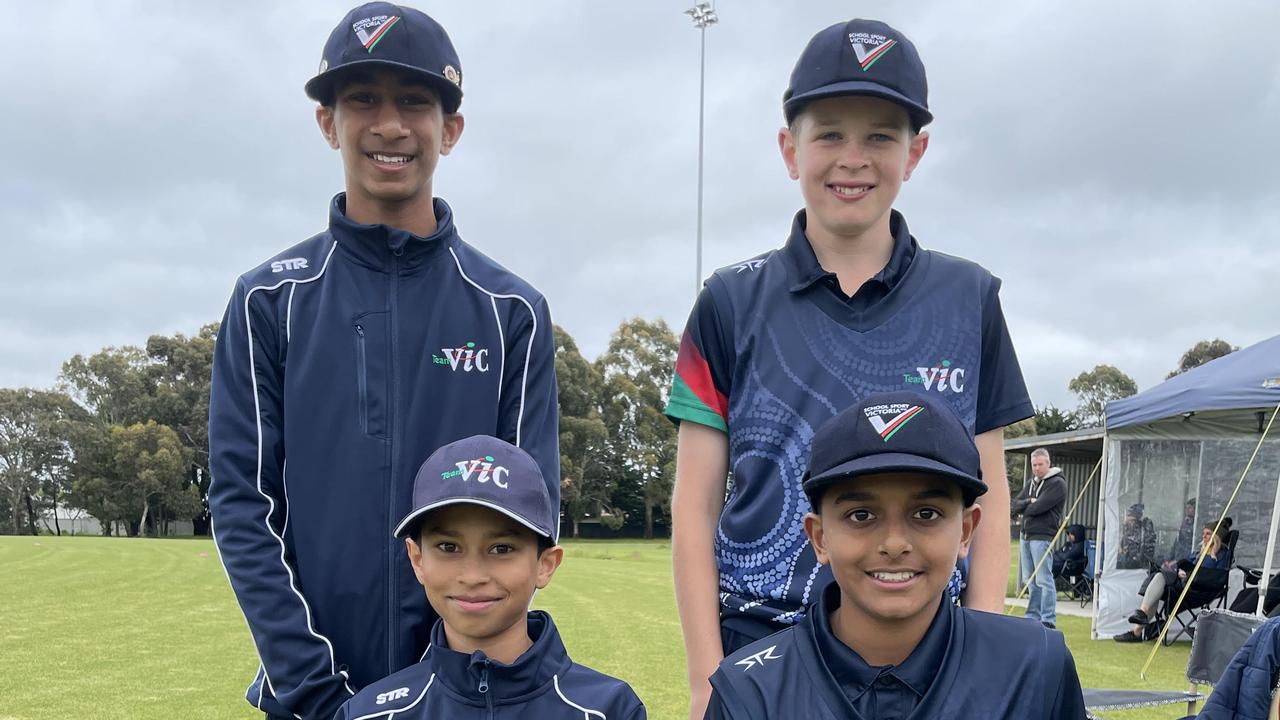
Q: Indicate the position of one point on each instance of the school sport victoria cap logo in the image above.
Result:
(482, 470)
(889, 419)
(372, 30)
(870, 47)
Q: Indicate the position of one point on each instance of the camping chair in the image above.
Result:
(1209, 588)
(1222, 633)
(1079, 585)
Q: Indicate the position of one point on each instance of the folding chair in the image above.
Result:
(1079, 585)
(1209, 589)
(1221, 634)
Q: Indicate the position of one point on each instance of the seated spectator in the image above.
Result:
(1174, 575)
(1182, 544)
(1069, 560)
(1138, 540)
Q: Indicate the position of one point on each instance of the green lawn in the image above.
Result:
(118, 628)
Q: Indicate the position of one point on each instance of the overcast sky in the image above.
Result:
(1114, 163)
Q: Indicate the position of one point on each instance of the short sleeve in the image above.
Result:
(704, 367)
(1002, 393)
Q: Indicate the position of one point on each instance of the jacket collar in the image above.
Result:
(805, 269)
(383, 247)
(531, 672)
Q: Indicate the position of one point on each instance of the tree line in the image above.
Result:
(123, 436)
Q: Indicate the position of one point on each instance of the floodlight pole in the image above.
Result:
(703, 15)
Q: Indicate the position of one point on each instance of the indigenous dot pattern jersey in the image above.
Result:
(773, 349)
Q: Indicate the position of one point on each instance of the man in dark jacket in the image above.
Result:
(1040, 505)
(346, 360)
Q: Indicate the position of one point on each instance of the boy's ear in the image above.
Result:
(968, 523)
(813, 528)
(915, 151)
(787, 145)
(548, 561)
(415, 559)
(453, 124)
(324, 118)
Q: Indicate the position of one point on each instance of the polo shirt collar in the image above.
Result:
(850, 670)
(805, 269)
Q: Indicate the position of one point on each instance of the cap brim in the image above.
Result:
(412, 518)
(320, 87)
(970, 486)
(917, 111)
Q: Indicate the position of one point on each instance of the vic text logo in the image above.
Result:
(483, 470)
(942, 377)
(467, 357)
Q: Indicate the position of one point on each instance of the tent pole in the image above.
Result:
(1265, 580)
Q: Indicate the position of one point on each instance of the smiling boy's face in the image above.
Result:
(892, 541)
(480, 569)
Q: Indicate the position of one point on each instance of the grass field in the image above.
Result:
(148, 629)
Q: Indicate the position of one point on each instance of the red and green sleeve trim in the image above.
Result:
(694, 396)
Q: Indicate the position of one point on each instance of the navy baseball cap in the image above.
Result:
(482, 470)
(901, 431)
(860, 57)
(382, 34)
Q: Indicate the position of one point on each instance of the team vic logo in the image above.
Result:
(870, 47)
(481, 470)
(889, 419)
(467, 358)
(941, 377)
(372, 30)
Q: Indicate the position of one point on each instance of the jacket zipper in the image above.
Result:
(393, 595)
(361, 380)
(483, 687)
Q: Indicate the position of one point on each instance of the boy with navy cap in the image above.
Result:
(893, 483)
(778, 344)
(345, 360)
(481, 538)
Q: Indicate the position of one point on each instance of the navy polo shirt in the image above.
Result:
(773, 349)
(887, 692)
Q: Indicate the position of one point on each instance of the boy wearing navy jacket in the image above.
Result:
(480, 538)
(778, 344)
(892, 482)
(344, 361)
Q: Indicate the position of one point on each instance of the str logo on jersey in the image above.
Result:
(759, 658)
(482, 469)
(397, 694)
(290, 264)
(889, 419)
(468, 357)
(751, 265)
(941, 377)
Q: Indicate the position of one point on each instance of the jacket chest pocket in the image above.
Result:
(372, 377)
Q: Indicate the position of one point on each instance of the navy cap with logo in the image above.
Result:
(380, 33)
(860, 57)
(901, 431)
(482, 470)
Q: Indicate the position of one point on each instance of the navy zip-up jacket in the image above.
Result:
(542, 684)
(1246, 687)
(341, 364)
(991, 667)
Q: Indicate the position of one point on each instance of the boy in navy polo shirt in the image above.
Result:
(480, 538)
(892, 482)
(778, 344)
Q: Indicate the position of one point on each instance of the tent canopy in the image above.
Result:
(1248, 378)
